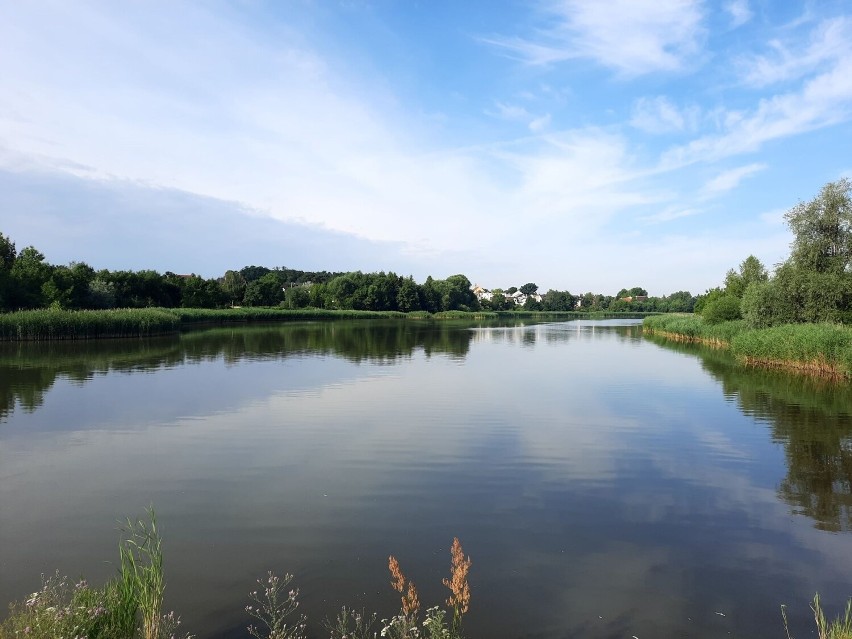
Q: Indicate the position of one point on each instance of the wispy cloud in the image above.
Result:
(633, 37)
(539, 124)
(730, 179)
(509, 111)
(659, 115)
(669, 214)
(823, 101)
(830, 42)
(739, 12)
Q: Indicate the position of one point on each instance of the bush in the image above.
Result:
(722, 309)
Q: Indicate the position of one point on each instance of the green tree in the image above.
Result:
(68, 286)
(198, 292)
(101, 293)
(264, 291)
(680, 302)
(458, 294)
(7, 260)
(234, 285)
(823, 229)
(408, 297)
(297, 297)
(558, 301)
(751, 271)
(29, 274)
(7, 253)
(721, 309)
(529, 288)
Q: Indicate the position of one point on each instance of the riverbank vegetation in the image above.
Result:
(130, 606)
(823, 349)
(28, 281)
(795, 317)
(59, 324)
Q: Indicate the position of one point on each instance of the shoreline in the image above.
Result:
(819, 350)
(42, 325)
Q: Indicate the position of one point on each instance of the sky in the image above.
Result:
(577, 144)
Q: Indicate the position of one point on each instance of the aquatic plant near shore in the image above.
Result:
(273, 605)
(819, 349)
(405, 625)
(127, 607)
(459, 601)
(840, 628)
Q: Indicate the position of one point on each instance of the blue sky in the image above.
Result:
(581, 145)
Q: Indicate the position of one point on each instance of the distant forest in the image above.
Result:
(27, 281)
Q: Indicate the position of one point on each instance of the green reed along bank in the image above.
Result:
(59, 324)
(821, 349)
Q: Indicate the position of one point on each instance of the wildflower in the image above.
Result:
(460, 599)
(397, 578)
(410, 600)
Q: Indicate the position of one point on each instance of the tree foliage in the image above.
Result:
(823, 230)
(815, 283)
(751, 272)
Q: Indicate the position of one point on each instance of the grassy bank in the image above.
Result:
(50, 324)
(54, 324)
(821, 349)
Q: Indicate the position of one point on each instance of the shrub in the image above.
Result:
(722, 309)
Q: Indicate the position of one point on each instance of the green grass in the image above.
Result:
(817, 348)
(127, 607)
(57, 324)
(50, 324)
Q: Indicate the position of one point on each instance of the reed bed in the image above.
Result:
(274, 314)
(58, 324)
(52, 324)
(818, 348)
(822, 349)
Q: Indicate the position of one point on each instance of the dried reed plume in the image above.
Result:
(410, 601)
(460, 599)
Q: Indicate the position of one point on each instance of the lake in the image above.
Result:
(605, 484)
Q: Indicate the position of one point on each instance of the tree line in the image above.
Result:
(814, 284)
(28, 281)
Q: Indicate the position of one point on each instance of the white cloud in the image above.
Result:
(830, 41)
(659, 115)
(823, 101)
(540, 124)
(577, 179)
(633, 37)
(728, 180)
(739, 11)
(669, 214)
(509, 111)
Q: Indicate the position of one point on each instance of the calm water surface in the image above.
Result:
(605, 485)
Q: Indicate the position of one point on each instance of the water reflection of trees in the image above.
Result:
(810, 417)
(28, 370)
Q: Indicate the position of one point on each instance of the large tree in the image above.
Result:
(815, 283)
(751, 271)
(823, 229)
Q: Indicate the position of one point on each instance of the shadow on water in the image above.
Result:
(811, 418)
